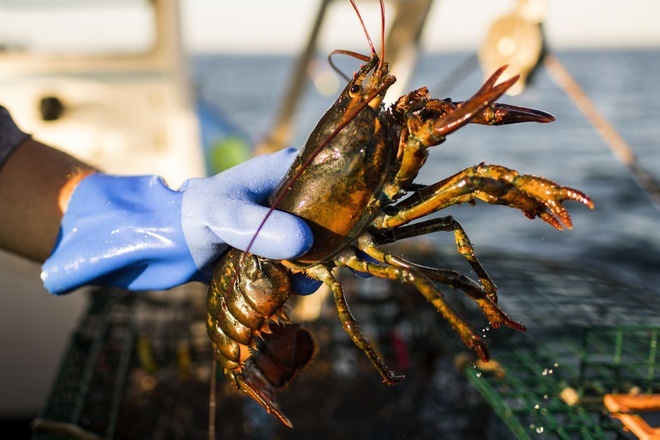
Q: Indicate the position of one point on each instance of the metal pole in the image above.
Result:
(280, 136)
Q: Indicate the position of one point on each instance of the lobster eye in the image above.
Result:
(354, 90)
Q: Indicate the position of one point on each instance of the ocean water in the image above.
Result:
(620, 237)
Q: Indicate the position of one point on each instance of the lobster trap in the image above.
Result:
(589, 366)
(559, 388)
(139, 365)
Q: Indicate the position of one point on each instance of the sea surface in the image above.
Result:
(621, 236)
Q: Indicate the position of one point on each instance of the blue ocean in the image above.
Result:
(621, 236)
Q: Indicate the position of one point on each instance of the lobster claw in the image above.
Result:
(503, 114)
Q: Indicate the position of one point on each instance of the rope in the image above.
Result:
(616, 143)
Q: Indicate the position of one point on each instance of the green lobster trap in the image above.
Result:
(556, 388)
(590, 340)
(138, 366)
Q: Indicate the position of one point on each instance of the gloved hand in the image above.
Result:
(135, 232)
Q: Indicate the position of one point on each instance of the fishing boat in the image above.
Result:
(72, 74)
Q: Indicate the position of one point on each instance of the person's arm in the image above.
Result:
(36, 182)
(135, 232)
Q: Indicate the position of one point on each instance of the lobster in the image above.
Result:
(353, 183)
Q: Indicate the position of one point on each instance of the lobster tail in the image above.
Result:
(245, 293)
(279, 358)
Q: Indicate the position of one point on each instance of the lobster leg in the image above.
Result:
(463, 245)
(495, 184)
(426, 287)
(434, 131)
(444, 117)
(495, 315)
(488, 303)
(350, 324)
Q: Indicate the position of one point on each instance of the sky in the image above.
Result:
(282, 26)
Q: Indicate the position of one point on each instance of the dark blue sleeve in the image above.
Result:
(10, 135)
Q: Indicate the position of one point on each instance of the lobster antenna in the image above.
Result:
(382, 35)
(350, 53)
(371, 44)
(364, 27)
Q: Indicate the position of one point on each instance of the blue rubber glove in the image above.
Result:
(136, 233)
